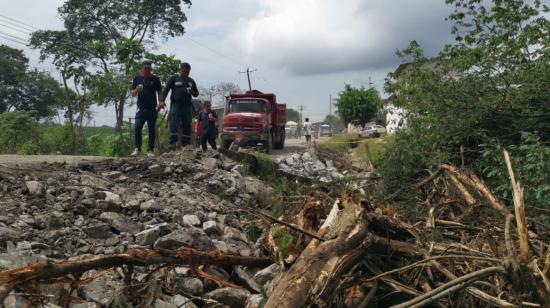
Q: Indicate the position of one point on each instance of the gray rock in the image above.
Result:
(98, 231)
(191, 285)
(132, 204)
(162, 304)
(211, 227)
(266, 274)
(210, 163)
(147, 237)
(254, 301)
(119, 222)
(221, 246)
(189, 237)
(7, 234)
(110, 198)
(191, 220)
(229, 296)
(182, 302)
(83, 305)
(16, 301)
(35, 188)
(241, 277)
(234, 234)
(111, 174)
(150, 205)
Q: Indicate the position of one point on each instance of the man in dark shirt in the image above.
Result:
(183, 89)
(146, 87)
(207, 120)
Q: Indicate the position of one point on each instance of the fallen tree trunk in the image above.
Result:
(137, 257)
(321, 262)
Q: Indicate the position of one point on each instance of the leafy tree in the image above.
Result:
(486, 91)
(292, 115)
(24, 89)
(358, 104)
(16, 129)
(111, 36)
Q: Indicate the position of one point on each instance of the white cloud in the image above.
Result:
(320, 36)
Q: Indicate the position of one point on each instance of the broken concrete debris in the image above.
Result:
(67, 212)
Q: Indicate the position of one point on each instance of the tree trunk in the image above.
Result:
(70, 113)
(120, 114)
(312, 276)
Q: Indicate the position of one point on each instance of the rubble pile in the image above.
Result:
(310, 166)
(74, 211)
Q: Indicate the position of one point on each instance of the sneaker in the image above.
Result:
(136, 152)
(150, 154)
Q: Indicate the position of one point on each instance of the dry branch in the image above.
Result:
(136, 257)
(452, 286)
(470, 179)
(517, 193)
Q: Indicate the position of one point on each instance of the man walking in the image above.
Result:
(183, 89)
(307, 132)
(146, 87)
(207, 122)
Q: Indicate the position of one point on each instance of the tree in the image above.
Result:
(24, 89)
(292, 115)
(333, 121)
(488, 90)
(16, 129)
(110, 36)
(226, 88)
(358, 104)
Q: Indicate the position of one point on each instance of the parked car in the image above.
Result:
(369, 133)
(379, 128)
(325, 130)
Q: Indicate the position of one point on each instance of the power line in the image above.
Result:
(14, 36)
(14, 28)
(12, 40)
(20, 22)
(213, 51)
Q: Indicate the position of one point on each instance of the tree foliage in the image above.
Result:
(358, 104)
(292, 115)
(488, 89)
(24, 89)
(110, 39)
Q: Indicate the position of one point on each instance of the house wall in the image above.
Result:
(396, 119)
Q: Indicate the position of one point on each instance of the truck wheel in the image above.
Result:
(226, 144)
(268, 144)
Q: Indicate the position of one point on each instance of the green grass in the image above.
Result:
(283, 240)
(376, 145)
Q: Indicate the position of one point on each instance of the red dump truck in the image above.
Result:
(254, 117)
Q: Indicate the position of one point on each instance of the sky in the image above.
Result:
(303, 50)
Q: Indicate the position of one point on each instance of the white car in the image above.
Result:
(379, 128)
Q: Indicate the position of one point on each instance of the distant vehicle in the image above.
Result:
(379, 128)
(254, 117)
(369, 133)
(325, 130)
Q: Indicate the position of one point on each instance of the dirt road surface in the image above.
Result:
(293, 145)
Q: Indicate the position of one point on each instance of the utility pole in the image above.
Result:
(301, 108)
(330, 104)
(370, 83)
(299, 128)
(247, 72)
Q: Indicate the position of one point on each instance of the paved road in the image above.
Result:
(293, 145)
(37, 159)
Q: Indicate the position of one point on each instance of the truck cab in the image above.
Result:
(254, 118)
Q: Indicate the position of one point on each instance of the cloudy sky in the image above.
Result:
(303, 50)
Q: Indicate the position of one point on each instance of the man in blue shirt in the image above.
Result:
(183, 89)
(146, 87)
(207, 120)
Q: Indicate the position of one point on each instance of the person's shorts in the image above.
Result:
(308, 137)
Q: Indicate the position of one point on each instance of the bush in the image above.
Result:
(531, 163)
(16, 130)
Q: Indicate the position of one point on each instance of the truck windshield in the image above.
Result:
(247, 106)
